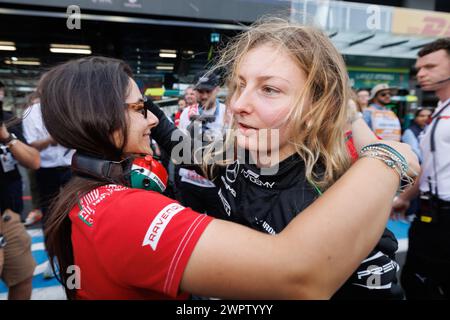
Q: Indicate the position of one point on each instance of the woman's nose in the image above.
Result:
(152, 120)
(242, 102)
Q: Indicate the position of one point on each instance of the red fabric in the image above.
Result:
(176, 118)
(351, 146)
(116, 246)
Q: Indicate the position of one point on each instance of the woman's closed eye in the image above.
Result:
(267, 90)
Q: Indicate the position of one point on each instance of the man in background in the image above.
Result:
(383, 122)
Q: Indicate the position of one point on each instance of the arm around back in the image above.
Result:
(311, 258)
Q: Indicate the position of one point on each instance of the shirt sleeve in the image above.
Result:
(30, 126)
(146, 240)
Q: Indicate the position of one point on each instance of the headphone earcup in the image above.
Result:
(148, 174)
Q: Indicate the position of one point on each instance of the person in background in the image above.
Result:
(383, 122)
(411, 135)
(16, 261)
(181, 106)
(362, 99)
(54, 171)
(196, 191)
(36, 213)
(191, 97)
(55, 161)
(426, 273)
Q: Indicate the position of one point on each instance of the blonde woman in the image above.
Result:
(288, 82)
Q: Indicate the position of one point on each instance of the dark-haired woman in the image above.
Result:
(411, 135)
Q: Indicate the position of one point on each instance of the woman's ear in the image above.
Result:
(118, 139)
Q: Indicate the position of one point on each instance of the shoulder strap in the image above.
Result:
(433, 128)
(433, 147)
(99, 169)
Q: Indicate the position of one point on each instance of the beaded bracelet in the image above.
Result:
(378, 148)
(392, 151)
(392, 158)
(394, 165)
(387, 148)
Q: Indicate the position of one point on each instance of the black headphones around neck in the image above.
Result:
(134, 172)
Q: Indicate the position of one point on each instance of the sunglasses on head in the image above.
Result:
(140, 106)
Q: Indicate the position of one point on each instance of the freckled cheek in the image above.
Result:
(286, 134)
(273, 118)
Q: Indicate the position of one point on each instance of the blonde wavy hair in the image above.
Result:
(318, 127)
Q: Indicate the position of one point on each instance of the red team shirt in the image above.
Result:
(132, 244)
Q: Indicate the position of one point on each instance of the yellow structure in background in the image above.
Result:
(421, 22)
(154, 92)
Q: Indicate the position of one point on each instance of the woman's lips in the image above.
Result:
(245, 129)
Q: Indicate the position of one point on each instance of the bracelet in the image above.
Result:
(393, 159)
(407, 180)
(378, 148)
(386, 147)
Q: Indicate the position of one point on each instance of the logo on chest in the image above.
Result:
(254, 178)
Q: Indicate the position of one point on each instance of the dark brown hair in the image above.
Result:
(82, 105)
(419, 110)
(439, 44)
